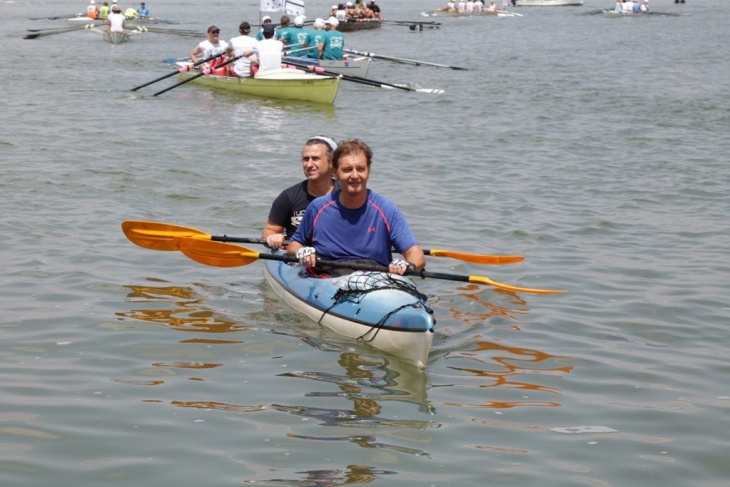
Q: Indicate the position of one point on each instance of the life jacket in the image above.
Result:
(92, 12)
(215, 66)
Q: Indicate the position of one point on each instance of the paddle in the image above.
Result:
(364, 81)
(401, 60)
(54, 32)
(179, 70)
(221, 254)
(202, 73)
(161, 236)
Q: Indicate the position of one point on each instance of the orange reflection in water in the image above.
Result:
(501, 366)
(184, 310)
(479, 310)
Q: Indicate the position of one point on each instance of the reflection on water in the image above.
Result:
(351, 475)
(183, 311)
(499, 365)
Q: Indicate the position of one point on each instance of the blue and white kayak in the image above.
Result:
(391, 316)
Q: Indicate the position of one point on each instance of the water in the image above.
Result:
(595, 147)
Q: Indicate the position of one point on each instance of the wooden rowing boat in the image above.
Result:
(352, 66)
(395, 319)
(352, 25)
(281, 84)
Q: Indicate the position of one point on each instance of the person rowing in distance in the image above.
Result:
(268, 51)
(331, 47)
(115, 21)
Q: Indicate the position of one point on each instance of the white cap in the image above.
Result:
(318, 22)
(266, 17)
(92, 2)
(299, 20)
(349, 4)
(334, 6)
(332, 21)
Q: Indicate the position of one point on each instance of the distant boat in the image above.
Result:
(548, 3)
(116, 37)
(352, 25)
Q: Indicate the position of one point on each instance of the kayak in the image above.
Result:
(388, 313)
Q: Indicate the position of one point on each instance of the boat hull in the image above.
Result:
(116, 37)
(391, 320)
(280, 84)
(357, 66)
(353, 25)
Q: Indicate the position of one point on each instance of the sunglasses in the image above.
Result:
(215, 32)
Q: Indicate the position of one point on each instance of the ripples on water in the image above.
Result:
(596, 148)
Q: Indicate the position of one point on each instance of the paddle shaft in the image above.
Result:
(403, 61)
(173, 74)
(60, 31)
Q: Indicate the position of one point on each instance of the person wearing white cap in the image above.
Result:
(340, 13)
(260, 34)
(288, 208)
(314, 37)
(296, 37)
(92, 11)
(331, 48)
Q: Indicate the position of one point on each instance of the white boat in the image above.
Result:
(394, 318)
(548, 3)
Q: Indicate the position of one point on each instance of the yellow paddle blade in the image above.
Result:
(475, 258)
(218, 254)
(158, 236)
(487, 281)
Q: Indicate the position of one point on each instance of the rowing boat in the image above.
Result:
(394, 318)
(358, 24)
(448, 12)
(281, 84)
(116, 37)
(352, 66)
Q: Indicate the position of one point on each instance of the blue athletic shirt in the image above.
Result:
(368, 232)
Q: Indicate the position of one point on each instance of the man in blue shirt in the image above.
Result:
(355, 223)
(143, 12)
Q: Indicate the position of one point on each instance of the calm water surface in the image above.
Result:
(595, 147)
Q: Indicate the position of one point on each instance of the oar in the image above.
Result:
(202, 73)
(221, 254)
(161, 236)
(179, 70)
(179, 32)
(364, 81)
(402, 61)
(60, 31)
(55, 17)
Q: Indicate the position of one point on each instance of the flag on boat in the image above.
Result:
(291, 7)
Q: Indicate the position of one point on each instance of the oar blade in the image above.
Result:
(158, 236)
(217, 254)
(476, 258)
(489, 282)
